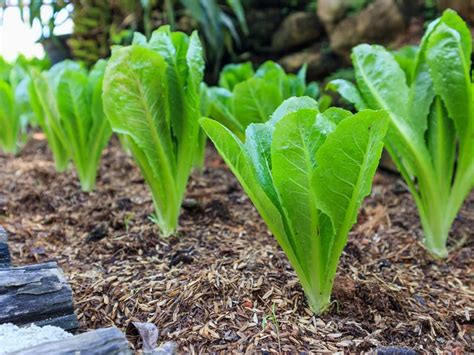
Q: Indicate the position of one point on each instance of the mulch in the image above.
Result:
(222, 283)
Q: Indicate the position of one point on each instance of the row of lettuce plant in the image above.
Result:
(15, 109)
(306, 167)
(286, 163)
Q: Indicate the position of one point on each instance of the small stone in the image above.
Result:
(98, 233)
(190, 204)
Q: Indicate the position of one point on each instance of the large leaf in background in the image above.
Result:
(254, 100)
(22, 104)
(377, 73)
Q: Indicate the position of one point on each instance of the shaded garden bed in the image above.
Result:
(223, 283)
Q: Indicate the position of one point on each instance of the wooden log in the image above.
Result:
(100, 341)
(36, 294)
(4, 251)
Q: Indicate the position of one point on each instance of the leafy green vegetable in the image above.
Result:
(9, 120)
(15, 109)
(152, 96)
(428, 95)
(245, 96)
(307, 174)
(68, 103)
(42, 94)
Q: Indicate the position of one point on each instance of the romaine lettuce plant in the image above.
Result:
(9, 119)
(68, 102)
(42, 90)
(307, 174)
(429, 100)
(245, 96)
(152, 97)
(15, 108)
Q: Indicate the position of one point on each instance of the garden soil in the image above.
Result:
(222, 283)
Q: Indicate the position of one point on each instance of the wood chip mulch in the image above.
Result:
(223, 284)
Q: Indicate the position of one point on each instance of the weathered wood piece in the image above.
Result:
(36, 294)
(101, 341)
(4, 251)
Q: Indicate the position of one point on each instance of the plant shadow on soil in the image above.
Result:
(222, 283)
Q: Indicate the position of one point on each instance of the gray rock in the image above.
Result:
(297, 29)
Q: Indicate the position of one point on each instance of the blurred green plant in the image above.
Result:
(68, 102)
(15, 108)
(14, 113)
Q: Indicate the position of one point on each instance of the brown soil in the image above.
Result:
(223, 283)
